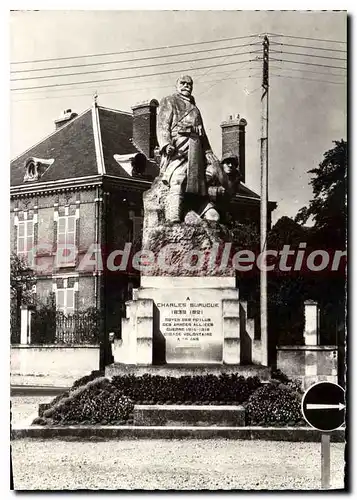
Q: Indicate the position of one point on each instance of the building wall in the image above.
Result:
(48, 207)
(86, 292)
(87, 226)
(43, 288)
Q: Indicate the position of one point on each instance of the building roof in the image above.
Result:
(245, 191)
(89, 145)
(83, 147)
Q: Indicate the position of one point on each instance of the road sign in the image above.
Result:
(323, 406)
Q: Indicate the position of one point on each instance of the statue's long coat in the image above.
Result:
(180, 124)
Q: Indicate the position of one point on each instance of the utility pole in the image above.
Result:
(264, 200)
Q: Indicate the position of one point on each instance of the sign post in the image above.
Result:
(325, 460)
(323, 407)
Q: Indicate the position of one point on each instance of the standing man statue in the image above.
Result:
(185, 150)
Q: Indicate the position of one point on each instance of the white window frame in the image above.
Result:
(62, 261)
(27, 251)
(65, 308)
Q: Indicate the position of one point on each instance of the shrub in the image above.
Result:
(96, 402)
(196, 389)
(87, 378)
(39, 421)
(279, 375)
(293, 384)
(273, 404)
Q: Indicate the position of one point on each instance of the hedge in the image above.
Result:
(97, 402)
(200, 389)
(274, 404)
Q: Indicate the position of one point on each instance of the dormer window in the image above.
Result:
(133, 164)
(35, 168)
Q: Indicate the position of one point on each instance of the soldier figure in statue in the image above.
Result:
(185, 152)
(222, 183)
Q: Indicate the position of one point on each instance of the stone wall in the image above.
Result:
(52, 364)
(308, 363)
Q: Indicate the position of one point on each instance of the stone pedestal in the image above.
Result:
(26, 320)
(181, 320)
(312, 313)
(187, 308)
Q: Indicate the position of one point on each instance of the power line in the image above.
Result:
(307, 55)
(62, 96)
(137, 59)
(129, 77)
(133, 67)
(307, 63)
(111, 84)
(137, 50)
(300, 70)
(114, 84)
(233, 78)
(308, 79)
(306, 38)
(284, 44)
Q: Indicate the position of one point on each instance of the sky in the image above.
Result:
(305, 116)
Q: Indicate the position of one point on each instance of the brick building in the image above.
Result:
(81, 187)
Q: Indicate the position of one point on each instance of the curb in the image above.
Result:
(34, 390)
(294, 434)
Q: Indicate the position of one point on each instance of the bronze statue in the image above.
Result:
(185, 151)
(222, 183)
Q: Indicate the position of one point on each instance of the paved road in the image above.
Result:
(163, 464)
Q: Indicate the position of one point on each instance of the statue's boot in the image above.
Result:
(173, 209)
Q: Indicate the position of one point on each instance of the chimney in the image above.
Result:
(144, 127)
(233, 139)
(67, 116)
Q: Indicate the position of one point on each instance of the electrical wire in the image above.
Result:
(62, 92)
(307, 63)
(284, 44)
(300, 70)
(128, 77)
(308, 79)
(114, 83)
(306, 55)
(132, 67)
(137, 50)
(39, 98)
(104, 63)
(306, 38)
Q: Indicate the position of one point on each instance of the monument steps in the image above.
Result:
(189, 415)
(179, 370)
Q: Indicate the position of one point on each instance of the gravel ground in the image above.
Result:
(174, 464)
(165, 464)
(23, 407)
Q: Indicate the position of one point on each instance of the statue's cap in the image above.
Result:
(230, 156)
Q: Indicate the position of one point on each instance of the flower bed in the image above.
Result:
(97, 402)
(102, 401)
(200, 389)
(274, 404)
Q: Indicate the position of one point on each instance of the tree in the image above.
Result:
(328, 208)
(22, 279)
(286, 289)
(328, 212)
